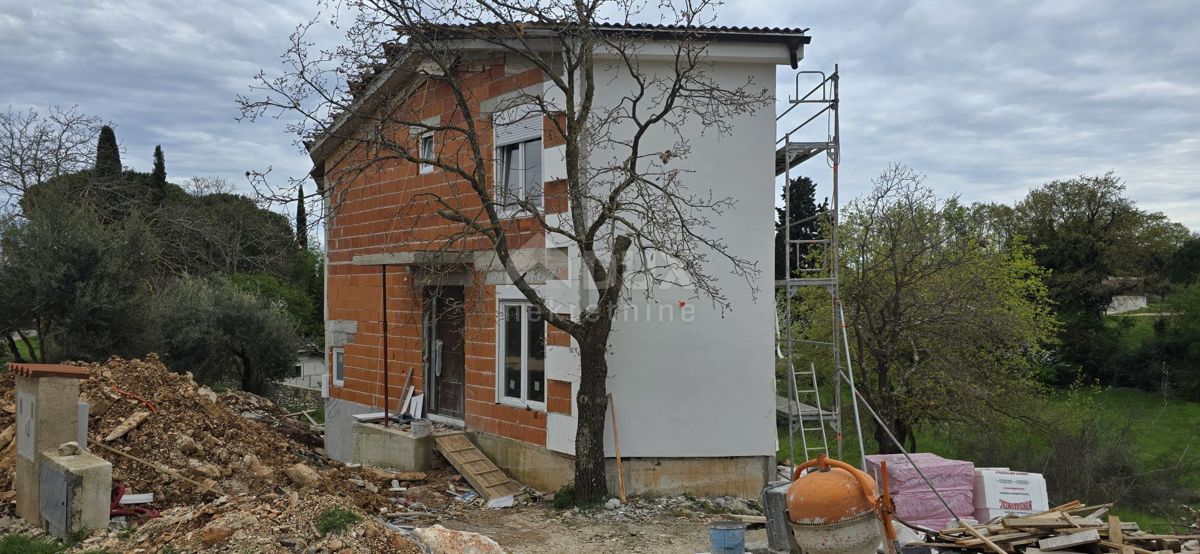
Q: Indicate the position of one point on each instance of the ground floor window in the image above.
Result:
(522, 353)
(339, 366)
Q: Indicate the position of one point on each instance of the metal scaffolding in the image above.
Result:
(813, 262)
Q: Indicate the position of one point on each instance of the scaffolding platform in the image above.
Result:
(800, 412)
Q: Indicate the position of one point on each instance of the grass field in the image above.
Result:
(1167, 432)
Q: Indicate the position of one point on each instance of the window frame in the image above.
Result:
(501, 320)
(520, 126)
(421, 141)
(333, 369)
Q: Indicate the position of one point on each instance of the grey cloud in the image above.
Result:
(987, 98)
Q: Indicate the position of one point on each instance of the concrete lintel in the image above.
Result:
(435, 257)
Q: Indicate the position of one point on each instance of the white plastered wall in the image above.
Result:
(689, 380)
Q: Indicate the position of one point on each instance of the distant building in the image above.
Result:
(1126, 303)
(308, 370)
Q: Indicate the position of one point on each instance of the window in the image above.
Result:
(297, 370)
(519, 172)
(522, 354)
(426, 152)
(339, 366)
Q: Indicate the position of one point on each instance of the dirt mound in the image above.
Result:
(187, 429)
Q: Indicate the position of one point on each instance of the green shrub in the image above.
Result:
(20, 544)
(565, 497)
(336, 520)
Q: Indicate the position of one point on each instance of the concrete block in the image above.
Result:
(47, 416)
(82, 502)
(392, 448)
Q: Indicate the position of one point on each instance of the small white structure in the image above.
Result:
(1126, 303)
(308, 370)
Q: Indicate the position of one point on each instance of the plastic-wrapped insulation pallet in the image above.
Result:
(1000, 491)
(915, 503)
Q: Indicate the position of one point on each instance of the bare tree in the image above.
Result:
(631, 216)
(36, 147)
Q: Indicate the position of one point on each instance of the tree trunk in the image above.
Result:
(592, 398)
(886, 446)
(12, 347)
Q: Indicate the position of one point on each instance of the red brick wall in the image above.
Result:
(381, 210)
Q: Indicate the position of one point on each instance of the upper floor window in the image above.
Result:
(426, 152)
(519, 176)
(518, 140)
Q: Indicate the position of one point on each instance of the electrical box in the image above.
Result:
(76, 489)
(58, 489)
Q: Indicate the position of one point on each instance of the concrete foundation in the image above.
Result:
(47, 412)
(339, 427)
(392, 448)
(86, 505)
(545, 470)
(542, 469)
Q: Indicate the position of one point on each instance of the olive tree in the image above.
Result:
(220, 331)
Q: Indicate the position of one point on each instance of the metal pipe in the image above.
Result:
(787, 296)
(862, 446)
(383, 306)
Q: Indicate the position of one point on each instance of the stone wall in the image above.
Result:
(295, 398)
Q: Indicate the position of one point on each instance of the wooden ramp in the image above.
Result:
(487, 479)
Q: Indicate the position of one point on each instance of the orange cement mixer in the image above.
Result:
(834, 509)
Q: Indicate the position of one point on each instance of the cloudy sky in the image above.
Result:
(986, 98)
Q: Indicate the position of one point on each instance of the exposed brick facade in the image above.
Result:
(558, 396)
(382, 210)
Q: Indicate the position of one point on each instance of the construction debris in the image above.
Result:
(270, 523)
(1067, 528)
(126, 426)
(189, 448)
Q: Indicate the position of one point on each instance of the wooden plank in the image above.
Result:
(1115, 534)
(985, 540)
(1136, 549)
(981, 539)
(1062, 542)
(1036, 523)
(1163, 537)
(474, 466)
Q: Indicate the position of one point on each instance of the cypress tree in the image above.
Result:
(807, 217)
(301, 220)
(108, 156)
(160, 169)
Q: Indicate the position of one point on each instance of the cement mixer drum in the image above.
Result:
(831, 513)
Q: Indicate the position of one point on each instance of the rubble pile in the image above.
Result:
(253, 406)
(269, 523)
(184, 443)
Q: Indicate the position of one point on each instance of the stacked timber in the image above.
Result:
(1071, 528)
